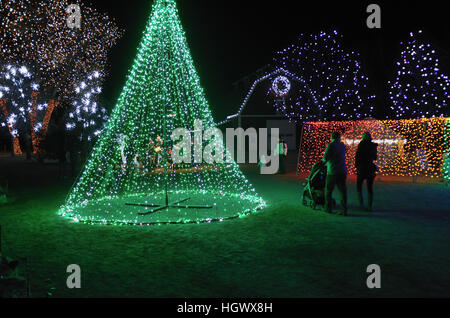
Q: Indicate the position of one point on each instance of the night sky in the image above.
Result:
(231, 39)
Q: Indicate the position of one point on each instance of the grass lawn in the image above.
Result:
(286, 250)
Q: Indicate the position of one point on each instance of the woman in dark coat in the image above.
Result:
(366, 170)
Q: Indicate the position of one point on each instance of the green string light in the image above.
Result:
(446, 166)
(162, 91)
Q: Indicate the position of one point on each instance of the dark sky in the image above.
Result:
(231, 39)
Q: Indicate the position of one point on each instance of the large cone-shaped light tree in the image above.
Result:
(130, 177)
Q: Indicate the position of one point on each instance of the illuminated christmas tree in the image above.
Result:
(420, 89)
(332, 87)
(130, 177)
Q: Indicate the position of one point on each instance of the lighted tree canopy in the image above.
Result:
(420, 89)
(35, 35)
(130, 165)
(36, 32)
(333, 87)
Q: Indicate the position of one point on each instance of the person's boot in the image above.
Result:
(327, 207)
(361, 201)
(343, 210)
(369, 207)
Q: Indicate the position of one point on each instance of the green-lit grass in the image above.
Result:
(284, 251)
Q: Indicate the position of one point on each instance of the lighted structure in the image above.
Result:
(416, 147)
(129, 177)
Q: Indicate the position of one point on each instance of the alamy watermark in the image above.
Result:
(374, 279)
(207, 146)
(74, 279)
(74, 19)
(374, 19)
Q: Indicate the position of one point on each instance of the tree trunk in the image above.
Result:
(15, 144)
(33, 123)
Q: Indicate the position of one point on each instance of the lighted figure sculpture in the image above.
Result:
(124, 182)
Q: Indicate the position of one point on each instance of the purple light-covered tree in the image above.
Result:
(333, 74)
(420, 89)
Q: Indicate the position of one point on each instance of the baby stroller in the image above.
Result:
(314, 192)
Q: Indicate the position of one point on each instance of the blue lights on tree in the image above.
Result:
(333, 74)
(420, 89)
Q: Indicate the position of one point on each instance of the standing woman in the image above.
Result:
(365, 168)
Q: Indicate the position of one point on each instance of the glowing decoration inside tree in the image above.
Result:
(420, 89)
(281, 85)
(414, 147)
(129, 170)
(334, 75)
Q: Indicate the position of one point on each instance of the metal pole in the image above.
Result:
(165, 160)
